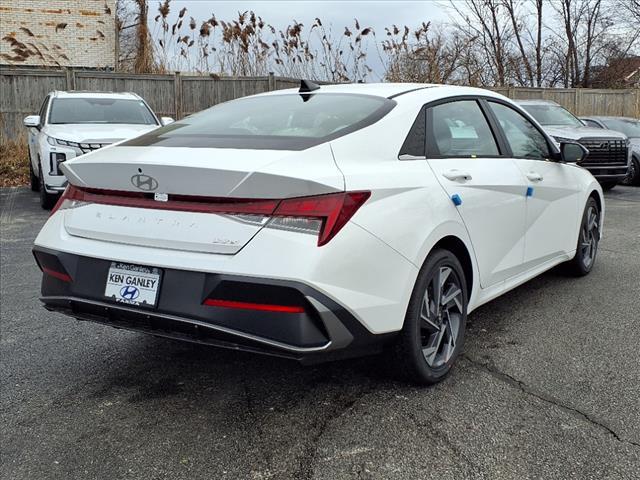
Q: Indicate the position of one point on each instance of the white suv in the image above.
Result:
(71, 124)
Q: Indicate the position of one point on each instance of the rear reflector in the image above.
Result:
(59, 275)
(321, 214)
(263, 307)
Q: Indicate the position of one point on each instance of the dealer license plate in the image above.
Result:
(133, 284)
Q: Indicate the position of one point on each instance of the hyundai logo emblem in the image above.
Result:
(144, 182)
(129, 292)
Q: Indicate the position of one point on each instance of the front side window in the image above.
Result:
(100, 110)
(523, 137)
(552, 115)
(628, 126)
(460, 129)
(276, 122)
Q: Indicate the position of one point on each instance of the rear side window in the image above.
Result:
(460, 129)
(277, 122)
(415, 142)
(523, 137)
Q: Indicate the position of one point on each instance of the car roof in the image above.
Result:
(391, 90)
(537, 101)
(93, 94)
(378, 89)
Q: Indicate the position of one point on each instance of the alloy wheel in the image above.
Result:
(441, 315)
(589, 236)
(631, 175)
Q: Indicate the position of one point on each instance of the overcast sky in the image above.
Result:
(376, 14)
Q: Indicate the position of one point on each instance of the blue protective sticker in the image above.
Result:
(529, 191)
(455, 198)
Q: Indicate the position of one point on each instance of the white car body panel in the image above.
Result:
(371, 266)
(493, 201)
(160, 228)
(213, 172)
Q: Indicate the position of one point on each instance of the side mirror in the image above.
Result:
(573, 152)
(166, 120)
(32, 121)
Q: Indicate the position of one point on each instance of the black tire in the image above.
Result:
(608, 185)
(588, 240)
(34, 181)
(47, 200)
(634, 173)
(427, 334)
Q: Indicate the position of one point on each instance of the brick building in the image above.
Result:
(75, 33)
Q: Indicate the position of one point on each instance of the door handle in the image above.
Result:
(534, 177)
(454, 175)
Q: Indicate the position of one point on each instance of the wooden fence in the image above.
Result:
(22, 91)
(583, 101)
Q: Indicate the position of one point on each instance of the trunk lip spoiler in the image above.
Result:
(173, 202)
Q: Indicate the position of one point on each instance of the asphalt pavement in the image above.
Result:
(548, 388)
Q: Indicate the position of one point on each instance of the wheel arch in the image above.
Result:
(456, 246)
(597, 197)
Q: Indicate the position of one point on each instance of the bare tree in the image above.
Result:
(587, 25)
(483, 20)
(144, 61)
(426, 54)
(512, 8)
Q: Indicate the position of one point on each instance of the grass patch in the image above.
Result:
(14, 164)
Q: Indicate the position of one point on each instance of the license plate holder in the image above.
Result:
(133, 284)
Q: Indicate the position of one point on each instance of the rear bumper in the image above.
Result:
(324, 331)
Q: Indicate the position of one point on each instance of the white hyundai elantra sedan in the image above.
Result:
(321, 223)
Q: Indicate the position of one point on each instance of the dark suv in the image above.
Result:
(631, 128)
(609, 151)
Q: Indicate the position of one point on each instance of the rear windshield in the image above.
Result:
(274, 122)
(553, 115)
(100, 110)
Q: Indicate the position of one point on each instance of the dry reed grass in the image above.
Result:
(14, 164)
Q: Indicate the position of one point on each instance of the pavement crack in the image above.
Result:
(339, 405)
(256, 423)
(526, 389)
(441, 436)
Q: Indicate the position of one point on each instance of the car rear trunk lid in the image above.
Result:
(190, 199)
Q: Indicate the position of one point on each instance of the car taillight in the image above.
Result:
(61, 200)
(326, 214)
